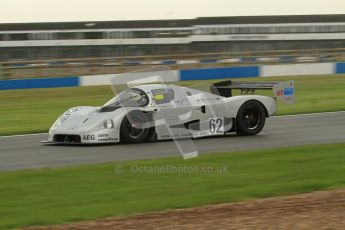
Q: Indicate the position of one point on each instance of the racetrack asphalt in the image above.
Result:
(26, 151)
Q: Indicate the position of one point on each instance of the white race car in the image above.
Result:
(150, 112)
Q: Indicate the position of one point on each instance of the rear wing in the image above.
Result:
(284, 91)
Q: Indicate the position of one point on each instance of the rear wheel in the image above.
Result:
(250, 118)
(132, 128)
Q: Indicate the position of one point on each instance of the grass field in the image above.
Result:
(56, 196)
(32, 111)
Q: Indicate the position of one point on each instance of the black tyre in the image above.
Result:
(132, 130)
(250, 118)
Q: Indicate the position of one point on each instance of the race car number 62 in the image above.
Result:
(216, 125)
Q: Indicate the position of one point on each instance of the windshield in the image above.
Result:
(129, 98)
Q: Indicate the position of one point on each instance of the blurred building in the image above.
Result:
(30, 41)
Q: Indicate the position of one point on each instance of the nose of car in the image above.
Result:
(77, 122)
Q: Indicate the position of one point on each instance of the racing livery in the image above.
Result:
(148, 112)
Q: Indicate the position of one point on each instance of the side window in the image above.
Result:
(162, 96)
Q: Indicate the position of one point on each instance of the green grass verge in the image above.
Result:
(56, 196)
(32, 111)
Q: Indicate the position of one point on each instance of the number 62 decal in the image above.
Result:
(216, 125)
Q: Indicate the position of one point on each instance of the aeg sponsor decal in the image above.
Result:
(89, 137)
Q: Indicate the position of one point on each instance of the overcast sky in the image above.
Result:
(99, 10)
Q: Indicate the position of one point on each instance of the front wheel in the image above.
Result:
(132, 128)
(250, 118)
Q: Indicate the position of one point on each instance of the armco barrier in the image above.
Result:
(184, 75)
(218, 73)
(39, 83)
(297, 69)
(340, 68)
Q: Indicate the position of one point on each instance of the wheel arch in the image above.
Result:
(261, 103)
(149, 117)
(233, 104)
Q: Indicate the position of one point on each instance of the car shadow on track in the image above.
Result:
(148, 142)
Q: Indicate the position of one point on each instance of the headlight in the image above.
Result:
(108, 124)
